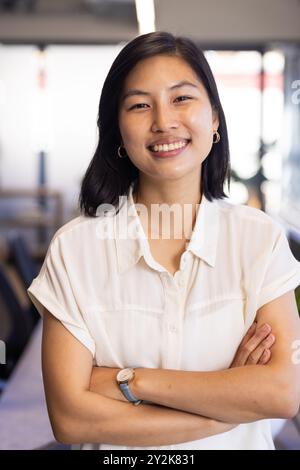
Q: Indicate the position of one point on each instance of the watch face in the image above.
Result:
(125, 375)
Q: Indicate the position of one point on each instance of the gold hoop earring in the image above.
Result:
(119, 152)
(218, 138)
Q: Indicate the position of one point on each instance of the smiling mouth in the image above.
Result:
(167, 148)
(163, 151)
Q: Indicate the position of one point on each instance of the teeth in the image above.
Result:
(168, 147)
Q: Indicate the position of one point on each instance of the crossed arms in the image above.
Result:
(85, 404)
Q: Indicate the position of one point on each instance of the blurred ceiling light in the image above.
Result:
(41, 107)
(145, 13)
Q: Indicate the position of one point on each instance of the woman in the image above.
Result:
(116, 293)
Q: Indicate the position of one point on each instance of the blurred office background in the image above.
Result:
(54, 56)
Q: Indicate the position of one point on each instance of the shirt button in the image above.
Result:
(172, 328)
(181, 281)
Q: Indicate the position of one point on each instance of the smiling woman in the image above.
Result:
(170, 325)
(183, 125)
(158, 78)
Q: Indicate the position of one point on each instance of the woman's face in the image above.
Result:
(166, 124)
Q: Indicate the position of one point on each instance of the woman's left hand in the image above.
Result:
(255, 347)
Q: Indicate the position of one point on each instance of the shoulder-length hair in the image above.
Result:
(108, 177)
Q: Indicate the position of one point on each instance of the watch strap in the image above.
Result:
(128, 395)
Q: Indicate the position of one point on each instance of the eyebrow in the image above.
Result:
(141, 92)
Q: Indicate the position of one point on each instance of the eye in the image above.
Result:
(183, 98)
(138, 106)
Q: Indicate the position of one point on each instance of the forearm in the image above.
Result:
(95, 418)
(238, 395)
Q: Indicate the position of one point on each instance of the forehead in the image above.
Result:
(158, 70)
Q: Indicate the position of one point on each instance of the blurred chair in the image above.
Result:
(24, 421)
(22, 259)
(25, 265)
(20, 322)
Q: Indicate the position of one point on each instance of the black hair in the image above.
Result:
(109, 176)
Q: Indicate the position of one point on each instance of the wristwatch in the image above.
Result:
(124, 377)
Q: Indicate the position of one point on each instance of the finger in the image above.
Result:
(254, 357)
(246, 348)
(237, 358)
(260, 334)
(249, 334)
(265, 357)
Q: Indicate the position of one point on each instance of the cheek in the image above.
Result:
(201, 126)
(132, 134)
(125, 128)
(133, 141)
(124, 131)
(201, 122)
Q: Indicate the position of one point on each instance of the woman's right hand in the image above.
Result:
(255, 347)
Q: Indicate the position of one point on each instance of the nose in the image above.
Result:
(163, 119)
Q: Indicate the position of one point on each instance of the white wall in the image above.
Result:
(74, 81)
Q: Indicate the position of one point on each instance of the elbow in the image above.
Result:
(288, 412)
(288, 402)
(65, 423)
(62, 429)
(62, 437)
(290, 408)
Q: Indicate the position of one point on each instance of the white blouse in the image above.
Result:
(129, 311)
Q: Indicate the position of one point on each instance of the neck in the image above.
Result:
(182, 197)
(187, 191)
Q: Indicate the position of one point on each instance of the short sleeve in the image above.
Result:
(52, 290)
(281, 272)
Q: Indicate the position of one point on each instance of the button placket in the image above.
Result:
(172, 335)
(172, 328)
(173, 353)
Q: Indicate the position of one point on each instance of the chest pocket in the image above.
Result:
(127, 335)
(212, 333)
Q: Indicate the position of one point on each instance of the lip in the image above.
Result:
(171, 153)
